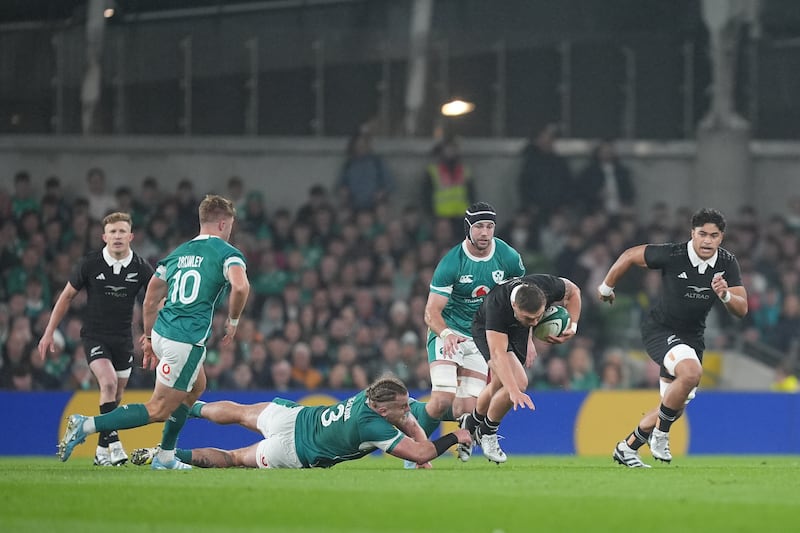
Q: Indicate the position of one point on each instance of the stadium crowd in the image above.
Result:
(338, 292)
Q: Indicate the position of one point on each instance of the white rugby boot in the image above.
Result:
(627, 456)
(659, 445)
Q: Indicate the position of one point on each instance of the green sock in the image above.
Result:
(173, 426)
(123, 417)
(194, 412)
(448, 415)
(185, 456)
(428, 423)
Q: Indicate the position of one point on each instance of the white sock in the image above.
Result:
(165, 456)
(88, 425)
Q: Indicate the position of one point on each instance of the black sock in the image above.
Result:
(474, 420)
(666, 417)
(487, 427)
(640, 438)
(106, 437)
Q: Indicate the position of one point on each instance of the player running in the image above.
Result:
(460, 281)
(694, 275)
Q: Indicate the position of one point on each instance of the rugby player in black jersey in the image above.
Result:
(695, 275)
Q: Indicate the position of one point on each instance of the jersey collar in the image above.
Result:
(475, 258)
(698, 263)
(110, 261)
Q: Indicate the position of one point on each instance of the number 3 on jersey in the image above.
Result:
(328, 417)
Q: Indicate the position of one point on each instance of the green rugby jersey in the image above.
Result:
(196, 273)
(465, 279)
(327, 435)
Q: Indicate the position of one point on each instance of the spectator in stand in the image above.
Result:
(605, 183)
(254, 216)
(448, 188)
(520, 233)
(347, 373)
(785, 335)
(241, 377)
(317, 200)
(545, 178)
(28, 226)
(23, 199)
(303, 373)
(278, 347)
(281, 376)
(556, 375)
(156, 239)
(611, 376)
(124, 198)
(321, 357)
(147, 203)
(101, 202)
(581, 369)
(259, 363)
(365, 179)
(32, 266)
(22, 378)
(390, 361)
(54, 193)
(235, 193)
(187, 217)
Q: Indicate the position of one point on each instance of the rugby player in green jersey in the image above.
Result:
(382, 417)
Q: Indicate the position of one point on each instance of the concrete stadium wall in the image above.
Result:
(284, 168)
(564, 423)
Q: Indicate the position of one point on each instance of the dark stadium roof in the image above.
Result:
(54, 10)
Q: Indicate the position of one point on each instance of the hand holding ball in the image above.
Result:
(554, 321)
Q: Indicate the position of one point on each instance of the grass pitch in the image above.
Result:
(376, 494)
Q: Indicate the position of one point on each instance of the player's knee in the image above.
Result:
(108, 388)
(691, 375)
(522, 381)
(158, 411)
(682, 362)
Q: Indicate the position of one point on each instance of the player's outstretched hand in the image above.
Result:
(45, 345)
(521, 400)
(230, 333)
(609, 298)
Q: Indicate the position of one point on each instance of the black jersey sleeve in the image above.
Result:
(78, 277)
(657, 255)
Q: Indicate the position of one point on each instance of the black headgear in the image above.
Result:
(478, 212)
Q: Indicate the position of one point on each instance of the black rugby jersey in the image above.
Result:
(496, 313)
(110, 297)
(686, 296)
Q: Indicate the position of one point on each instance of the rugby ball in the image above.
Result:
(554, 321)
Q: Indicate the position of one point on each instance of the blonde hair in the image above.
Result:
(386, 389)
(214, 208)
(117, 217)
